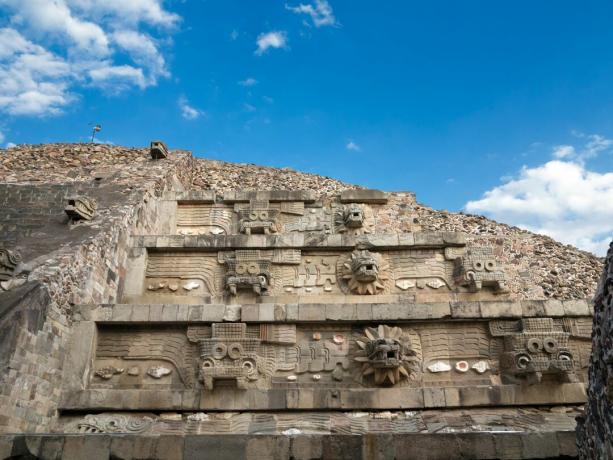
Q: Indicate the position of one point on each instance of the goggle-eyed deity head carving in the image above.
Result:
(385, 353)
(364, 272)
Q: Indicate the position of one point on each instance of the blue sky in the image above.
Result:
(491, 107)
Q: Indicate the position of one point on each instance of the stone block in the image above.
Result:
(378, 446)
(363, 196)
(140, 313)
(567, 443)
(312, 312)
(575, 307)
(465, 310)
(531, 308)
(434, 397)
(440, 310)
(292, 312)
(406, 239)
(213, 313)
(219, 447)
(269, 447)
(495, 309)
(342, 312)
(169, 313)
(51, 447)
(155, 312)
(306, 447)
(232, 313)
(86, 447)
(540, 445)
(280, 314)
(267, 312)
(554, 308)
(342, 447)
(250, 313)
(364, 311)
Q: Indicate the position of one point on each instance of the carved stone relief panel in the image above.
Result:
(130, 357)
(542, 348)
(265, 217)
(249, 274)
(245, 356)
(201, 219)
(479, 268)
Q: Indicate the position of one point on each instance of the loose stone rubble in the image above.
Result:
(298, 318)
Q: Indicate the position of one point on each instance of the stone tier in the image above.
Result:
(308, 312)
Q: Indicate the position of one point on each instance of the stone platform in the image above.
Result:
(478, 434)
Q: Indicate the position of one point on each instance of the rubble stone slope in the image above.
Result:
(550, 269)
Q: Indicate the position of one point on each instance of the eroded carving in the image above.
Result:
(112, 423)
(158, 150)
(386, 354)
(248, 270)
(81, 208)
(9, 259)
(535, 348)
(479, 268)
(229, 355)
(363, 272)
(257, 217)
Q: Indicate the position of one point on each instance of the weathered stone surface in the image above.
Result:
(286, 307)
(595, 427)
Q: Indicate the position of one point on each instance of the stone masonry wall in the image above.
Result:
(66, 265)
(84, 264)
(595, 428)
(542, 267)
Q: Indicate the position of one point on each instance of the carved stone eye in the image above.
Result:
(550, 344)
(253, 269)
(565, 356)
(235, 350)
(263, 215)
(478, 265)
(490, 265)
(219, 351)
(208, 363)
(534, 345)
(241, 268)
(523, 361)
(253, 216)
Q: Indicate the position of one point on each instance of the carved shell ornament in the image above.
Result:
(386, 354)
(364, 272)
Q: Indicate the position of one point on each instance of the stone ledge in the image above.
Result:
(308, 196)
(302, 241)
(191, 197)
(338, 312)
(401, 398)
(363, 196)
(381, 446)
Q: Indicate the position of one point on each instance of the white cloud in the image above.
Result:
(116, 77)
(562, 199)
(248, 82)
(274, 39)
(249, 108)
(353, 146)
(595, 143)
(321, 14)
(53, 47)
(10, 145)
(234, 34)
(187, 111)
